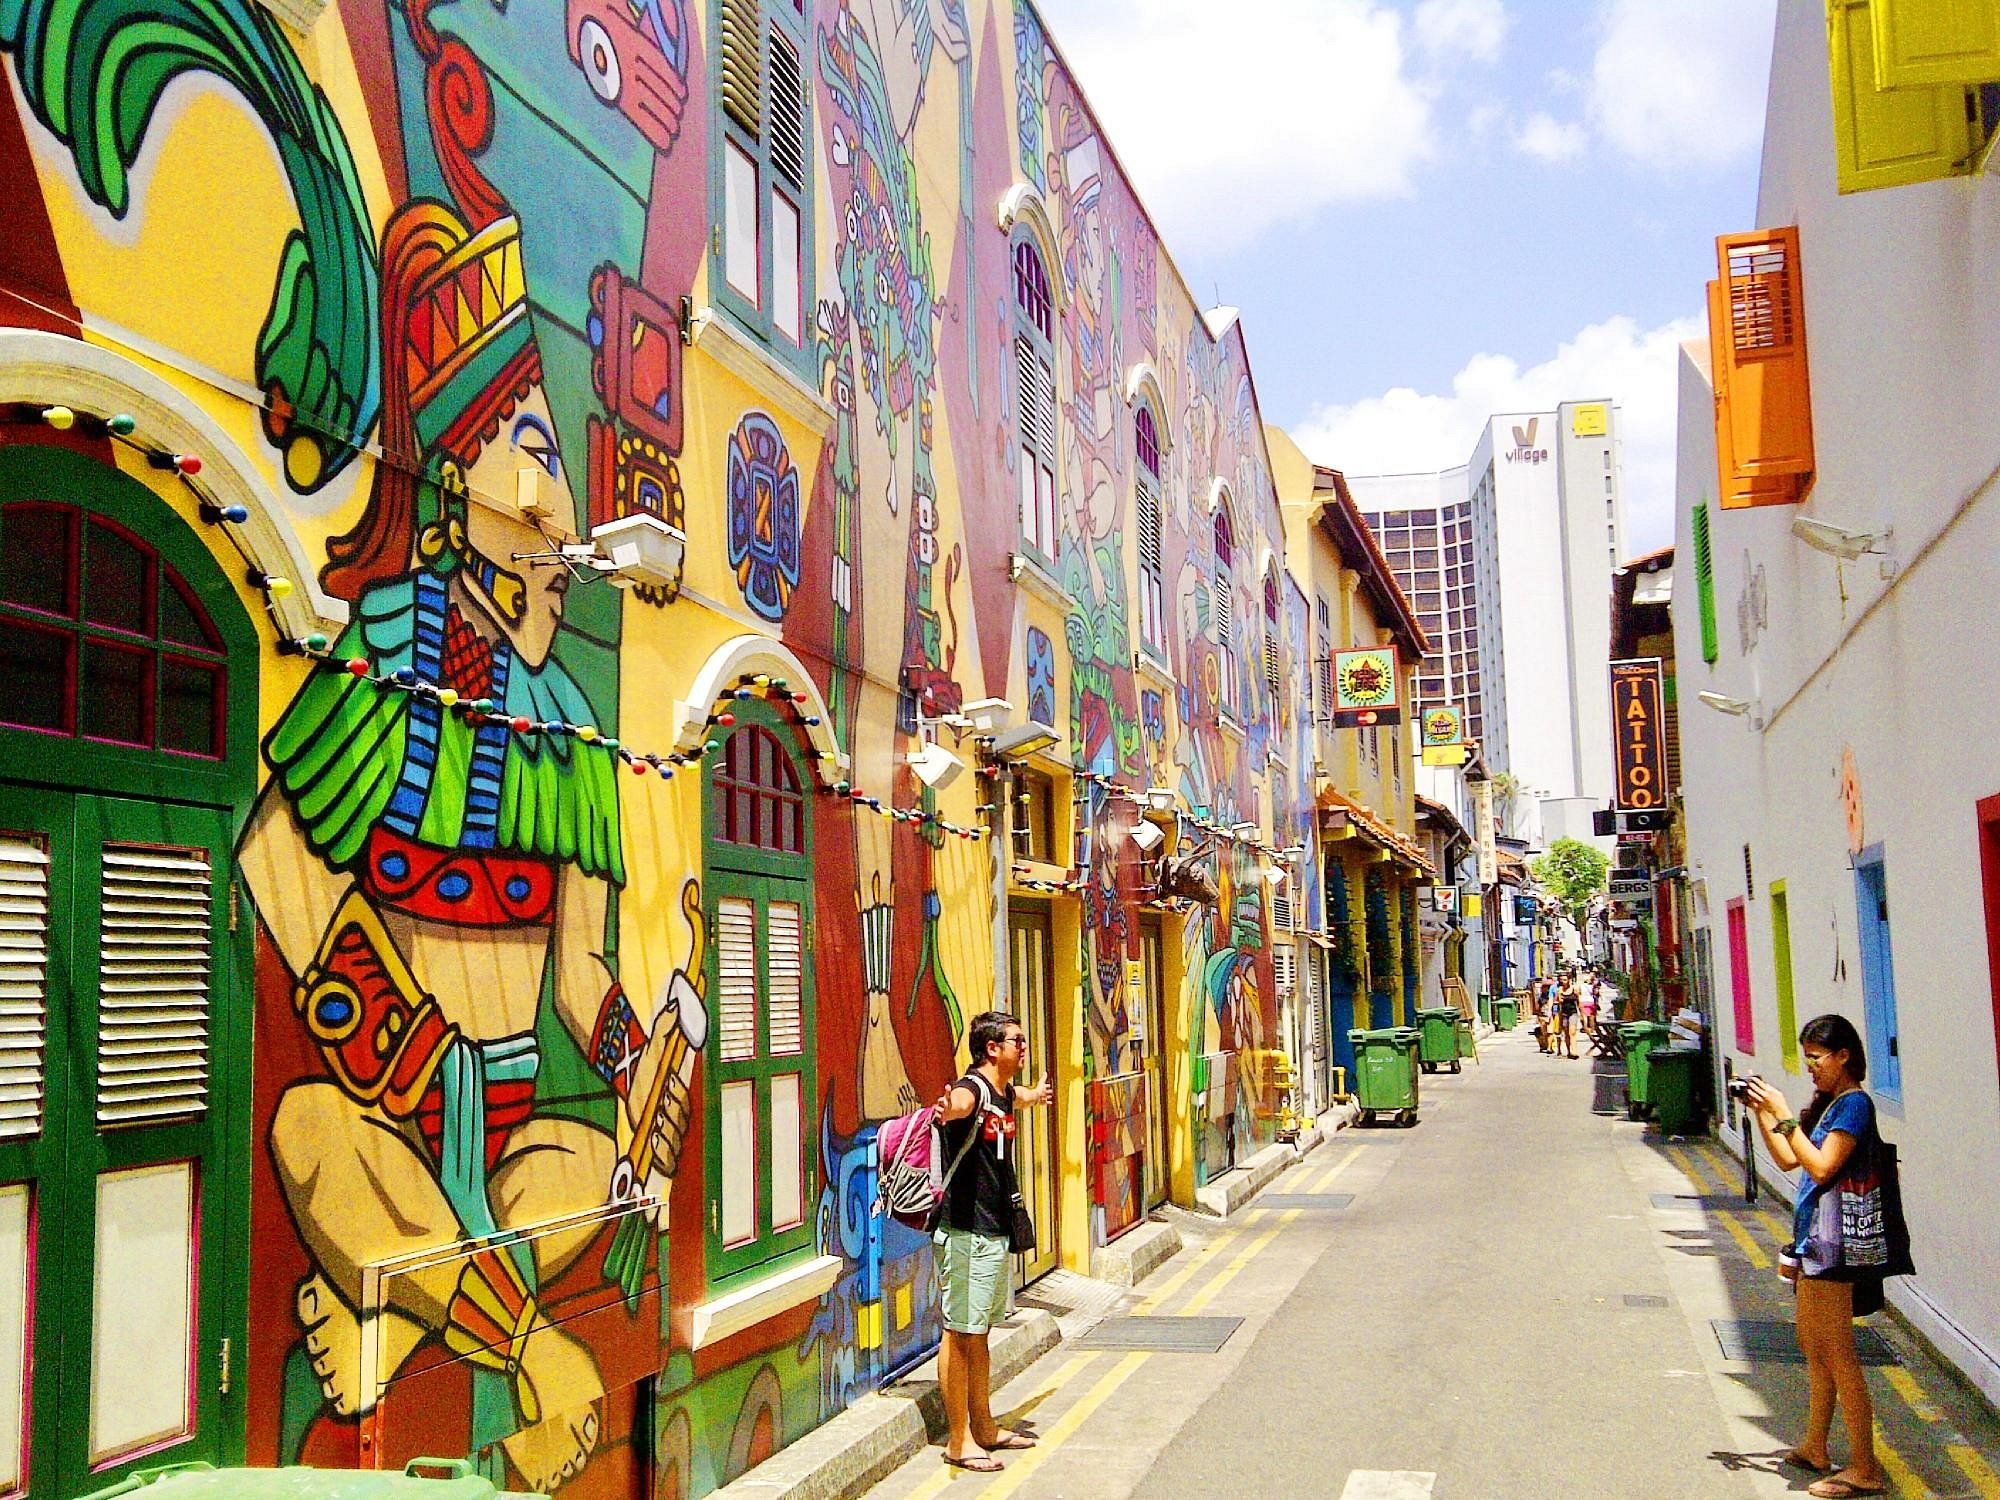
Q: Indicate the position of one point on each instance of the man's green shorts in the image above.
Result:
(972, 1271)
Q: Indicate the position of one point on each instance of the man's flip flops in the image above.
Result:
(978, 1463)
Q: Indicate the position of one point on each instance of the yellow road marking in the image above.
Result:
(1904, 1384)
(1974, 1466)
(1227, 1274)
(1900, 1473)
(1200, 1260)
(1745, 1241)
(1065, 1425)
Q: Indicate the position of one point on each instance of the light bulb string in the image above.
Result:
(757, 687)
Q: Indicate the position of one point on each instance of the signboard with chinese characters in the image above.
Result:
(1484, 837)
(1639, 745)
(1442, 728)
(1367, 688)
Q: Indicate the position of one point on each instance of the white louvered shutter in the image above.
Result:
(1151, 611)
(154, 971)
(1281, 912)
(1318, 1028)
(786, 102)
(1284, 969)
(736, 977)
(24, 957)
(785, 957)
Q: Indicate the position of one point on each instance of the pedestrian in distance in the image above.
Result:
(977, 1223)
(1566, 1006)
(1822, 1143)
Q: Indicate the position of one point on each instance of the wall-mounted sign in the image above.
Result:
(1442, 728)
(1639, 742)
(1471, 904)
(1483, 835)
(1527, 449)
(1589, 420)
(1525, 909)
(1367, 688)
(1444, 897)
(1631, 887)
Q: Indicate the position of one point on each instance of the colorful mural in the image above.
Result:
(590, 893)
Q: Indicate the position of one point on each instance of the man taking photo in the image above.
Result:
(974, 1230)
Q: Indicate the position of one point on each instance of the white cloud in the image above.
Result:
(1551, 139)
(1406, 431)
(1234, 120)
(1475, 28)
(1682, 84)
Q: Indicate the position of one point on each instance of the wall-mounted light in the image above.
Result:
(1148, 836)
(1160, 799)
(987, 714)
(936, 767)
(1722, 703)
(1024, 740)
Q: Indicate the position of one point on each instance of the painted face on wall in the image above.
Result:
(525, 601)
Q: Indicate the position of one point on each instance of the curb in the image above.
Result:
(1135, 1255)
(1235, 1189)
(884, 1429)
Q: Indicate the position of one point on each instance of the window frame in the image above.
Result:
(1781, 967)
(1152, 570)
(1034, 792)
(1033, 336)
(764, 877)
(791, 19)
(1878, 975)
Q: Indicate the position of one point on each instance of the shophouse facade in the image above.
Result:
(1836, 513)
(581, 585)
(1370, 862)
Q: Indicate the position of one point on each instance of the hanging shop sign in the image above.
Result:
(1631, 888)
(1484, 837)
(1525, 911)
(1639, 748)
(1470, 904)
(1442, 727)
(1367, 688)
(1444, 898)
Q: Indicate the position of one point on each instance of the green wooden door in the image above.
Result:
(119, 985)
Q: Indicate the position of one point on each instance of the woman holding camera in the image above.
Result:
(1821, 1143)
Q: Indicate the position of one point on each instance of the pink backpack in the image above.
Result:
(914, 1175)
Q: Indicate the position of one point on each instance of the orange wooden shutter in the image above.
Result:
(1763, 393)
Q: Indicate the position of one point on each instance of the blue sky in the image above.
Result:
(1429, 210)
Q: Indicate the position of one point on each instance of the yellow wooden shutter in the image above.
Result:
(1894, 137)
(1928, 43)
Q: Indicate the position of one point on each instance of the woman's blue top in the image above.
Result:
(1853, 1112)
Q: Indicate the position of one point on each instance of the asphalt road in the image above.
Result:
(1500, 1311)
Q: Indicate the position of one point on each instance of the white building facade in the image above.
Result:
(1543, 526)
(1843, 778)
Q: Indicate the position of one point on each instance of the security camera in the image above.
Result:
(1722, 703)
(1824, 536)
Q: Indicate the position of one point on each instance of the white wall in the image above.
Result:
(1903, 328)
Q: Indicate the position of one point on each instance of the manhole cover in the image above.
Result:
(1760, 1342)
(1327, 1202)
(1699, 1200)
(1644, 1299)
(1162, 1335)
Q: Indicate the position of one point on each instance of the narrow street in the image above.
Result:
(1501, 1302)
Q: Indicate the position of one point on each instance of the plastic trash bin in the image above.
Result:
(423, 1479)
(1385, 1072)
(1506, 1013)
(1468, 1043)
(1438, 1038)
(1639, 1039)
(1672, 1088)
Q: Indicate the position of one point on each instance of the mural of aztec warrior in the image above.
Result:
(425, 873)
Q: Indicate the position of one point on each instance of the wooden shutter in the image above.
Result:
(24, 958)
(1037, 397)
(154, 970)
(1892, 137)
(1704, 581)
(1757, 347)
(1281, 911)
(1284, 969)
(736, 977)
(1222, 601)
(742, 31)
(1925, 43)
(1273, 666)
(787, 102)
(784, 955)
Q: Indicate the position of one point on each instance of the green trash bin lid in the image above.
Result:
(423, 1479)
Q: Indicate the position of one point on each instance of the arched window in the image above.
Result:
(759, 803)
(101, 639)
(1152, 592)
(1035, 398)
(759, 1078)
(1223, 598)
(1273, 663)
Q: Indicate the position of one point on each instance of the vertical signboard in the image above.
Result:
(1483, 834)
(1443, 742)
(1639, 743)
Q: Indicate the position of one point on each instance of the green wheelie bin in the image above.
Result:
(1468, 1041)
(1506, 1013)
(1638, 1039)
(423, 1479)
(1672, 1089)
(1385, 1072)
(1437, 1030)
